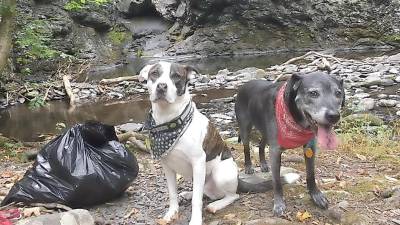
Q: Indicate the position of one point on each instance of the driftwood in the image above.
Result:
(119, 79)
(290, 61)
(322, 63)
(68, 89)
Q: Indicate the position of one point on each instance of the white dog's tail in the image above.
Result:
(256, 184)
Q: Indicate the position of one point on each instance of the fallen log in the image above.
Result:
(119, 79)
(68, 89)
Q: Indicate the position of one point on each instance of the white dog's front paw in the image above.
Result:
(195, 222)
(171, 215)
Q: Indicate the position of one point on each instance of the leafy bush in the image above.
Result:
(76, 5)
(6, 10)
(34, 39)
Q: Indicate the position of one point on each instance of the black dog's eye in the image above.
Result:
(313, 94)
(338, 94)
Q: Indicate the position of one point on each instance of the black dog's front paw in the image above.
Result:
(264, 167)
(279, 209)
(248, 169)
(319, 199)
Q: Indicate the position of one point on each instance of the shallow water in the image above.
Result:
(24, 124)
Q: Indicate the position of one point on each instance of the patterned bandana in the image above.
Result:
(290, 134)
(163, 137)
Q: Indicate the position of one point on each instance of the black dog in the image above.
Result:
(289, 115)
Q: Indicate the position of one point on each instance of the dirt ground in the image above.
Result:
(354, 187)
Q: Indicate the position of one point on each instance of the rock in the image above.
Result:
(361, 95)
(128, 127)
(366, 104)
(381, 96)
(393, 70)
(133, 8)
(398, 113)
(387, 103)
(375, 79)
(92, 19)
(73, 217)
(397, 79)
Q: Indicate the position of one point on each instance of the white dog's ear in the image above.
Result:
(144, 73)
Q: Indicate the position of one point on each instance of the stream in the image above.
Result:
(25, 124)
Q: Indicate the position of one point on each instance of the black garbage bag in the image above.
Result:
(84, 166)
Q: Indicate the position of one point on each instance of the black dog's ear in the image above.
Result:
(294, 81)
(344, 93)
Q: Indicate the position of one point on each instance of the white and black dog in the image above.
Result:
(187, 143)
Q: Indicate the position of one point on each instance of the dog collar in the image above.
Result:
(163, 137)
(290, 134)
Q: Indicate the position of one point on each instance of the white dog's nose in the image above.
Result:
(162, 87)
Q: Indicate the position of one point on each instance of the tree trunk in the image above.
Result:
(6, 27)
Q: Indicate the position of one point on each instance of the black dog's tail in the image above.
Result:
(256, 184)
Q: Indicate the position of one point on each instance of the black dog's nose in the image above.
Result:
(332, 116)
(162, 87)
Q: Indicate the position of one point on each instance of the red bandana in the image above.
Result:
(290, 134)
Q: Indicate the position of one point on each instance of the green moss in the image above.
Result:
(34, 39)
(392, 38)
(118, 37)
(76, 5)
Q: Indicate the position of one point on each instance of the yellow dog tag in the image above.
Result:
(309, 153)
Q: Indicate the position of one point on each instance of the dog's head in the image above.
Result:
(318, 98)
(166, 82)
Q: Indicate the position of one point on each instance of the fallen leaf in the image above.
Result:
(377, 190)
(302, 216)
(361, 157)
(132, 212)
(342, 184)
(229, 216)
(34, 211)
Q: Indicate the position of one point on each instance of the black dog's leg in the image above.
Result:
(275, 160)
(261, 153)
(316, 195)
(244, 130)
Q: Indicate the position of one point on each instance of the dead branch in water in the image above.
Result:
(68, 89)
(119, 79)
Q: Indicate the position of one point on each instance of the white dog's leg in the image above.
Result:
(173, 194)
(225, 177)
(199, 176)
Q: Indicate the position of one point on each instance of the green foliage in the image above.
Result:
(117, 37)
(34, 38)
(6, 10)
(76, 5)
(37, 102)
(139, 53)
(393, 38)
(9, 149)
